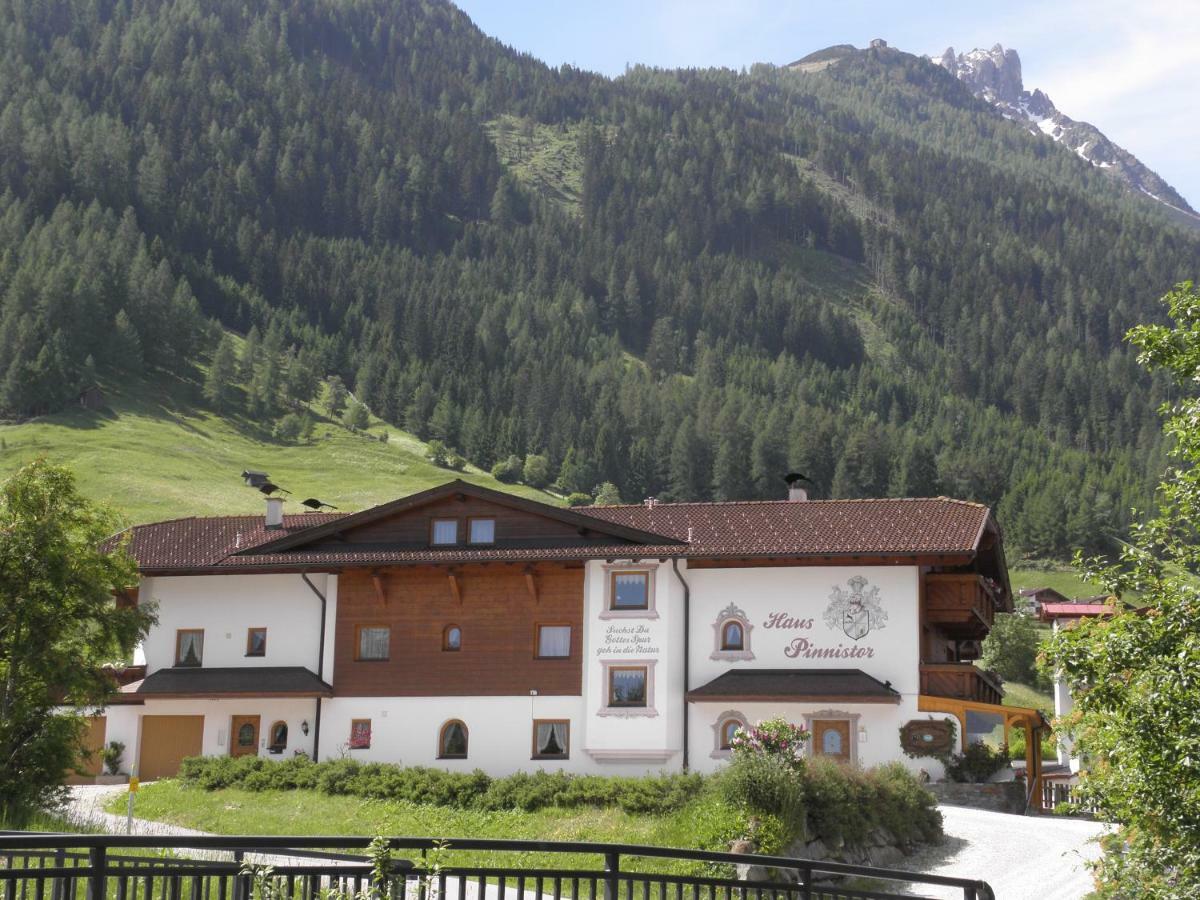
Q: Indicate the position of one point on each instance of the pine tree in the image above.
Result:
(220, 382)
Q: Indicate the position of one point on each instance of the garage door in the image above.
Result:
(93, 742)
(165, 741)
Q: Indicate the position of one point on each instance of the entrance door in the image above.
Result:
(831, 738)
(165, 741)
(243, 736)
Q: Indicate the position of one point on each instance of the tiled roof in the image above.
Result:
(847, 685)
(292, 681)
(810, 527)
(1076, 610)
(816, 528)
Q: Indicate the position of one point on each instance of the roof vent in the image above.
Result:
(797, 492)
(274, 512)
(650, 502)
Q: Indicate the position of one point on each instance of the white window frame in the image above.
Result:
(612, 569)
(718, 752)
(628, 712)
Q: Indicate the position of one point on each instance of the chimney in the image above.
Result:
(797, 493)
(274, 512)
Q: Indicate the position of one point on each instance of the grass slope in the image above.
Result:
(299, 812)
(158, 452)
(1063, 579)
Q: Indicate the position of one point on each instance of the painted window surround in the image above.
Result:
(650, 611)
(628, 712)
(719, 752)
(731, 613)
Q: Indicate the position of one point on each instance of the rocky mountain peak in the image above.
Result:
(995, 76)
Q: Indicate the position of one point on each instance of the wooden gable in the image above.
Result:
(406, 524)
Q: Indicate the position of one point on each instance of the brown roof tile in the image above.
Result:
(847, 685)
(817, 528)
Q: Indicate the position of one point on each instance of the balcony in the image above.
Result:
(960, 681)
(960, 606)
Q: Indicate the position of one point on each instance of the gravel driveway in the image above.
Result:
(1019, 856)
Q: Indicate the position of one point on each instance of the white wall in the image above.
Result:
(633, 739)
(500, 731)
(225, 606)
(890, 651)
(124, 723)
(876, 735)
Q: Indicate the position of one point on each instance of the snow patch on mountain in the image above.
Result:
(995, 76)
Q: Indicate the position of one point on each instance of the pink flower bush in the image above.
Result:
(775, 737)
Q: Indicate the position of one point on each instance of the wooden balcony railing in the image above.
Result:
(961, 681)
(961, 606)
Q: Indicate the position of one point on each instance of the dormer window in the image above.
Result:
(481, 531)
(444, 532)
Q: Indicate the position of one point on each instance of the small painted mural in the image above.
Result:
(856, 612)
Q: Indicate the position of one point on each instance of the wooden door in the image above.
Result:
(166, 740)
(243, 736)
(93, 742)
(831, 738)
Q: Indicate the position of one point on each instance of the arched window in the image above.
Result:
(452, 638)
(733, 636)
(279, 736)
(452, 742)
(729, 727)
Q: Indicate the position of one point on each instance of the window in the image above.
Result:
(444, 531)
(630, 590)
(452, 742)
(372, 642)
(729, 727)
(725, 727)
(551, 738)
(452, 638)
(553, 641)
(279, 736)
(481, 531)
(732, 636)
(256, 642)
(360, 734)
(189, 647)
(627, 686)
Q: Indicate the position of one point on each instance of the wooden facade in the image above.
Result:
(959, 605)
(963, 681)
(498, 609)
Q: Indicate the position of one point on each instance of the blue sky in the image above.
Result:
(1131, 69)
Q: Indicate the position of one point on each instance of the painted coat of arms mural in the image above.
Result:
(856, 612)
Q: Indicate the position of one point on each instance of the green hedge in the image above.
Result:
(461, 790)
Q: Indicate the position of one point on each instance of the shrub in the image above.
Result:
(536, 471)
(112, 755)
(436, 453)
(578, 498)
(508, 470)
(766, 784)
(775, 737)
(978, 763)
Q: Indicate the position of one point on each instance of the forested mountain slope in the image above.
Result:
(684, 282)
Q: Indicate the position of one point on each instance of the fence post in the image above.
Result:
(806, 883)
(97, 888)
(239, 892)
(969, 893)
(612, 868)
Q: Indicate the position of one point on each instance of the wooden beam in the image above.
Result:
(531, 585)
(455, 589)
(380, 593)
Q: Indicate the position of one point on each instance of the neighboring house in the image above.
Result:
(467, 628)
(1032, 599)
(1066, 614)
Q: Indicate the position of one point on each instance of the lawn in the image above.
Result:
(1061, 578)
(157, 451)
(1017, 694)
(305, 813)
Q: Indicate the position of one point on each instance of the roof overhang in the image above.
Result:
(252, 681)
(795, 686)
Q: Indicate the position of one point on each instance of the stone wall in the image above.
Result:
(1006, 797)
